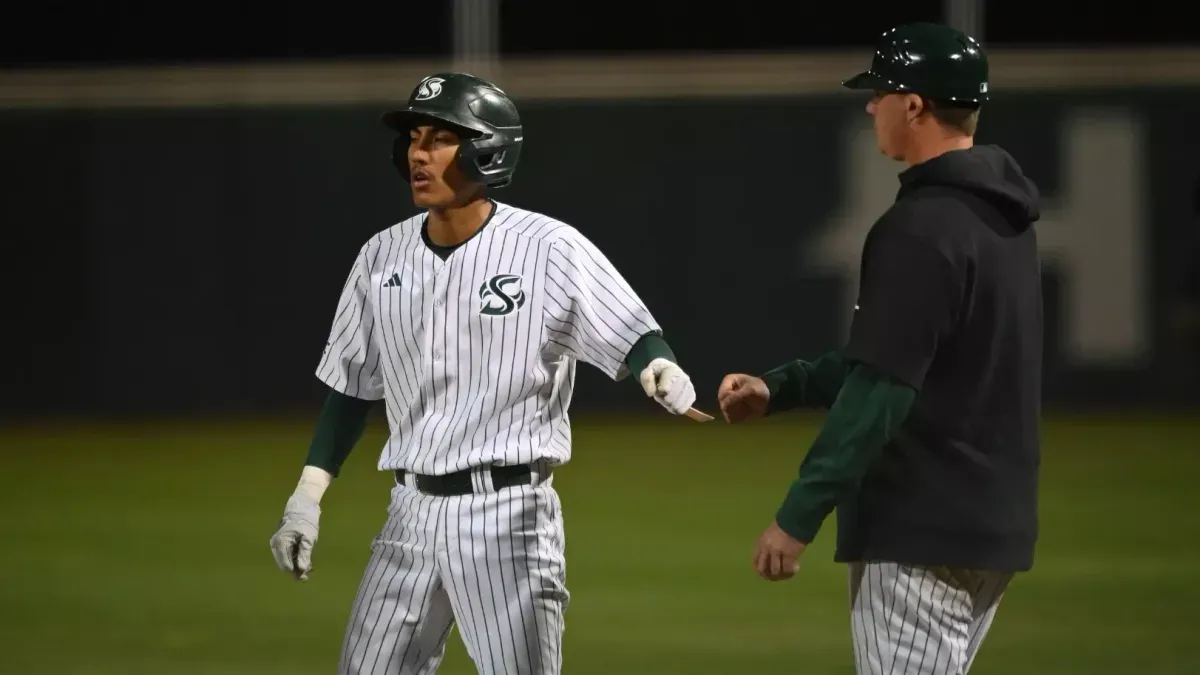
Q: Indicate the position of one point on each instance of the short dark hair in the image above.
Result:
(962, 117)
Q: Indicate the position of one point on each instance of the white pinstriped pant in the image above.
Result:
(915, 620)
(491, 563)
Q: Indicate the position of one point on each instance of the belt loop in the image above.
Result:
(481, 479)
(541, 473)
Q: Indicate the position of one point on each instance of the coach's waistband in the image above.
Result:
(469, 481)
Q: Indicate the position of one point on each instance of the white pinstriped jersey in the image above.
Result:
(475, 355)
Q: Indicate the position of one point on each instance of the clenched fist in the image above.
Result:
(666, 383)
(778, 554)
(743, 397)
(292, 544)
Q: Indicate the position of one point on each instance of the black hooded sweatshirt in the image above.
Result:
(931, 448)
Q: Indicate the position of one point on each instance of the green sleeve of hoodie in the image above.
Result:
(868, 410)
(811, 384)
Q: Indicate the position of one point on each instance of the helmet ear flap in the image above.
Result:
(489, 160)
(479, 167)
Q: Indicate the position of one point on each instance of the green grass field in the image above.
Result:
(139, 550)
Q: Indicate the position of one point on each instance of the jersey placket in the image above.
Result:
(431, 359)
(435, 334)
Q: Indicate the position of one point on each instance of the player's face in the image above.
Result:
(433, 172)
(893, 117)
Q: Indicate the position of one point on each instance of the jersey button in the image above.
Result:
(439, 302)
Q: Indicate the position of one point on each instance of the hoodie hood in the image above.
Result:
(984, 170)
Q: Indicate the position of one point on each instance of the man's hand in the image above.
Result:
(292, 544)
(743, 397)
(666, 383)
(778, 554)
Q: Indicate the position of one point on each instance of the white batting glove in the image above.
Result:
(666, 383)
(292, 544)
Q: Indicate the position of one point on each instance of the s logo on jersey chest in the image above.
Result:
(500, 295)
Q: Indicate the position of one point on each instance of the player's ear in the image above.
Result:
(914, 107)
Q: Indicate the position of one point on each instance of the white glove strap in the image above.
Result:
(313, 482)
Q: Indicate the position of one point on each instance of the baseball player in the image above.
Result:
(930, 449)
(468, 321)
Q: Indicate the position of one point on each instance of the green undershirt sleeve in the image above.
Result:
(339, 427)
(866, 413)
(811, 384)
(649, 347)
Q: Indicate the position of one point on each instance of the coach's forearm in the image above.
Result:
(339, 427)
(813, 384)
(649, 347)
(867, 412)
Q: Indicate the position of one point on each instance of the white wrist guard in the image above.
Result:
(313, 483)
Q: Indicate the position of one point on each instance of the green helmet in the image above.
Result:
(929, 59)
(481, 114)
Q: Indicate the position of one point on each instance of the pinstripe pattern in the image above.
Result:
(915, 620)
(475, 355)
(462, 387)
(493, 560)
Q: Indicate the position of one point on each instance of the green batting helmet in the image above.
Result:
(929, 59)
(481, 114)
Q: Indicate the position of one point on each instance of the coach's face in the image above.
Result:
(894, 114)
(432, 170)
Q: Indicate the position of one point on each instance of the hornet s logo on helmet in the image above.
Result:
(501, 295)
(429, 88)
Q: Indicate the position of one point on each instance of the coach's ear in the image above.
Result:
(915, 106)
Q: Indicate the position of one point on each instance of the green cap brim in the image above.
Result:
(871, 81)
